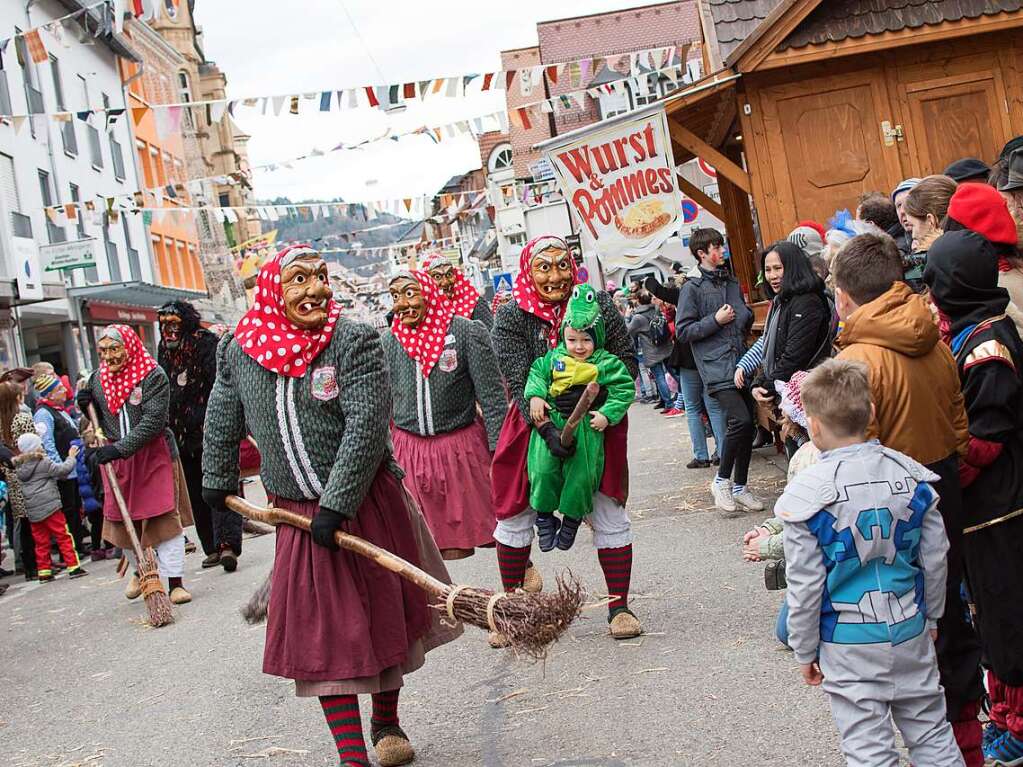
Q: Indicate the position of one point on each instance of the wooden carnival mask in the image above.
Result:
(306, 292)
(551, 271)
(409, 303)
(444, 276)
(113, 354)
(170, 329)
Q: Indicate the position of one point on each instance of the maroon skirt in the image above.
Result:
(337, 615)
(448, 475)
(146, 479)
(510, 481)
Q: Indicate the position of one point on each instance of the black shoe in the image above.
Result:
(78, 572)
(46, 578)
(211, 561)
(659, 406)
(31, 575)
(763, 438)
(698, 463)
(715, 459)
(547, 530)
(566, 536)
(228, 560)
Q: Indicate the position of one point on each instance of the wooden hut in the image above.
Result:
(813, 102)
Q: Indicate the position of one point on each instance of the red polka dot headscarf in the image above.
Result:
(525, 292)
(425, 342)
(466, 296)
(267, 335)
(118, 388)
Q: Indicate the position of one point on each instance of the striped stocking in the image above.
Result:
(512, 564)
(342, 713)
(617, 567)
(385, 710)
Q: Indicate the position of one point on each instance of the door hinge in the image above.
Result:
(891, 135)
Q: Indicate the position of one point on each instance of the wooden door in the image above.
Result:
(826, 145)
(964, 115)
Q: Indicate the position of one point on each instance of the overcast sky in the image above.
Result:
(269, 47)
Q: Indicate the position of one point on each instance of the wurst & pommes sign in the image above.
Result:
(619, 181)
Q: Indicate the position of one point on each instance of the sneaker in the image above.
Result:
(1006, 751)
(189, 546)
(723, 496)
(673, 413)
(211, 561)
(992, 732)
(698, 463)
(659, 405)
(748, 501)
(45, 577)
(566, 536)
(78, 572)
(547, 530)
(97, 555)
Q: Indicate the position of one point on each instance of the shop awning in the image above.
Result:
(134, 293)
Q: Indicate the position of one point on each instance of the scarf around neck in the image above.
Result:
(525, 293)
(139, 364)
(425, 342)
(267, 335)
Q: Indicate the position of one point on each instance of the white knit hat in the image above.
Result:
(28, 443)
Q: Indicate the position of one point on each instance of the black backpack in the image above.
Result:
(659, 332)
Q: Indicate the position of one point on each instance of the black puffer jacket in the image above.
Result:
(801, 325)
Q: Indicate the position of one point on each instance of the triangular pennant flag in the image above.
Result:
(217, 109)
(452, 87)
(294, 105)
(552, 74)
(409, 91)
(424, 88)
(278, 104)
(36, 49)
(408, 204)
(488, 80)
(580, 98)
(325, 101)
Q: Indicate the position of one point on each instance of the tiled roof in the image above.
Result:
(836, 20)
(735, 20)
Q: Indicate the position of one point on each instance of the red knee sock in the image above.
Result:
(617, 567)
(512, 563)
(969, 735)
(385, 710)
(342, 713)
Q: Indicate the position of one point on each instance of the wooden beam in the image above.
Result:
(701, 198)
(706, 152)
(947, 30)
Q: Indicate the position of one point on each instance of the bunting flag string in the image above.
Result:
(576, 73)
(522, 116)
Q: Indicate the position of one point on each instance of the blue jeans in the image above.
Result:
(781, 630)
(659, 370)
(697, 401)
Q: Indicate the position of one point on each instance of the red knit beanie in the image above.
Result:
(981, 209)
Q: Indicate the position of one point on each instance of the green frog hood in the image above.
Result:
(583, 313)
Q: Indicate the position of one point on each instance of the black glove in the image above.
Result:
(83, 399)
(550, 434)
(565, 402)
(215, 499)
(107, 453)
(5, 458)
(324, 524)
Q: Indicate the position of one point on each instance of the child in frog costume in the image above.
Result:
(560, 478)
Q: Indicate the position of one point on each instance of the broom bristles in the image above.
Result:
(254, 611)
(158, 604)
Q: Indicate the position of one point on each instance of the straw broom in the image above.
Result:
(158, 604)
(531, 622)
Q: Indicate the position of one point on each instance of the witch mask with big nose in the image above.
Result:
(409, 304)
(306, 291)
(551, 271)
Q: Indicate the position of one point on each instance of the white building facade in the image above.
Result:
(45, 161)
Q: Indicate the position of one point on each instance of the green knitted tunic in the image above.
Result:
(142, 417)
(466, 373)
(321, 436)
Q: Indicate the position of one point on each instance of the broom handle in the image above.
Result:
(271, 515)
(136, 545)
(582, 407)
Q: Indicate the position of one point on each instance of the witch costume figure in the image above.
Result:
(962, 274)
(441, 366)
(131, 394)
(467, 300)
(312, 389)
(188, 355)
(524, 331)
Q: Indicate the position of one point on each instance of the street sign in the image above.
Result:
(502, 281)
(690, 210)
(79, 254)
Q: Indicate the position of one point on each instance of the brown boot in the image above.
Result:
(625, 625)
(532, 581)
(179, 595)
(392, 746)
(134, 588)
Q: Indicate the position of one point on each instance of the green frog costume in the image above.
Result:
(567, 485)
